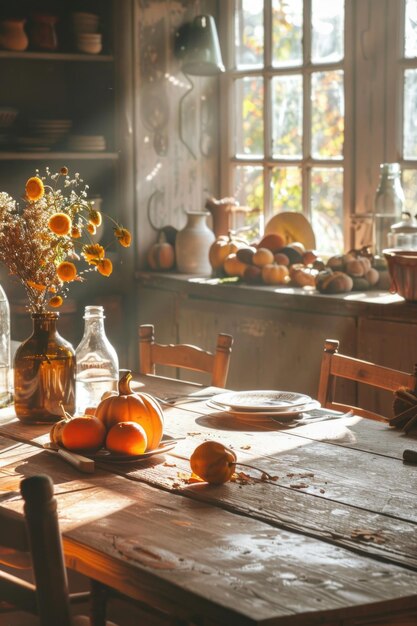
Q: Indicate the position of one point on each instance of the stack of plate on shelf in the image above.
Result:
(87, 143)
(43, 134)
(263, 405)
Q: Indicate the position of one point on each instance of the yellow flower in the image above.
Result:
(105, 267)
(123, 236)
(95, 217)
(34, 189)
(60, 224)
(66, 271)
(76, 232)
(56, 301)
(91, 228)
(33, 285)
(93, 253)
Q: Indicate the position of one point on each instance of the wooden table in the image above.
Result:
(330, 540)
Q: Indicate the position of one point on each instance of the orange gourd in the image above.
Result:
(55, 434)
(161, 255)
(83, 433)
(128, 406)
(213, 462)
(220, 250)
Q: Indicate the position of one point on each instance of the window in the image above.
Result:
(319, 94)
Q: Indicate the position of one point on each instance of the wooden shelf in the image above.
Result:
(56, 56)
(50, 156)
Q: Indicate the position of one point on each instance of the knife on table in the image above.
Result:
(81, 463)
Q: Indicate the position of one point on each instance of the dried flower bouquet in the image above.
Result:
(43, 244)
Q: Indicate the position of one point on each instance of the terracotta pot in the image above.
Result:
(13, 36)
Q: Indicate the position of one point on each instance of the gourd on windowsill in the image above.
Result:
(161, 255)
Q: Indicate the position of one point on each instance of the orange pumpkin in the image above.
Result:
(161, 255)
(128, 406)
(83, 433)
(213, 462)
(273, 274)
(55, 434)
(220, 249)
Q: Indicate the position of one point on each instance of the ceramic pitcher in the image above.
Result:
(193, 243)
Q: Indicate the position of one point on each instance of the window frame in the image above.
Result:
(373, 80)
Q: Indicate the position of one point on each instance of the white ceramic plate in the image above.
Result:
(260, 400)
(254, 415)
(167, 443)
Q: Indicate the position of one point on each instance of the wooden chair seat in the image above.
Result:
(37, 535)
(185, 356)
(339, 366)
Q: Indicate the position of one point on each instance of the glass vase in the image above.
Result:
(44, 373)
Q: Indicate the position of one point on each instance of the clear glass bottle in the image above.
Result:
(389, 204)
(5, 395)
(97, 363)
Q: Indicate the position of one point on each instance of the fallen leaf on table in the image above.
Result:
(365, 534)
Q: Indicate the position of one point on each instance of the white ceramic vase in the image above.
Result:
(193, 243)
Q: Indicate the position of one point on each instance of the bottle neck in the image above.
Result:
(94, 325)
(45, 322)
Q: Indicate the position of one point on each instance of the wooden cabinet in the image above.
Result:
(279, 333)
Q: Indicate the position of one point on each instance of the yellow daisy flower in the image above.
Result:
(93, 253)
(123, 236)
(91, 228)
(66, 271)
(56, 301)
(34, 188)
(76, 232)
(60, 224)
(105, 267)
(95, 217)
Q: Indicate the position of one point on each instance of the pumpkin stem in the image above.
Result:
(268, 476)
(124, 384)
(66, 415)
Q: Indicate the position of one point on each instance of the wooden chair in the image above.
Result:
(335, 365)
(38, 537)
(185, 356)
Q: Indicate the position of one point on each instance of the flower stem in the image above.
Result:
(268, 476)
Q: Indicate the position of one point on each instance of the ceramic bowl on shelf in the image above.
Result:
(90, 43)
(85, 22)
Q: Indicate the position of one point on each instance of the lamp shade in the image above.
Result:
(198, 46)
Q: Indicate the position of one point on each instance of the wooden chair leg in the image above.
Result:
(98, 603)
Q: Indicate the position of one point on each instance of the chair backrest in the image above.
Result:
(39, 535)
(185, 356)
(335, 365)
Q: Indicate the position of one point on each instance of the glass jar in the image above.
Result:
(97, 362)
(5, 395)
(44, 373)
(389, 204)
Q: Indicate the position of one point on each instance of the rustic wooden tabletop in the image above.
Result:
(330, 538)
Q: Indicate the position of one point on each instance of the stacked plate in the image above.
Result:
(260, 405)
(44, 133)
(87, 143)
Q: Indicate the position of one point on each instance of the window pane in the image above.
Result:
(287, 116)
(327, 32)
(249, 98)
(249, 190)
(286, 189)
(327, 102)
(249, 33)
(287, 32)
(410, 114)
(411, 28)
(327, 209)
(409, 179)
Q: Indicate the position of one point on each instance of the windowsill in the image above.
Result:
(372, 302)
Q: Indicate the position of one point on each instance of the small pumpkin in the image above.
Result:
(161, 255)
(128, 406)
(273, 274)
(55, 434)
(213, 462)
(220, 250)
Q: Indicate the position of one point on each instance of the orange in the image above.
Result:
(83, 433)
(127, 438)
